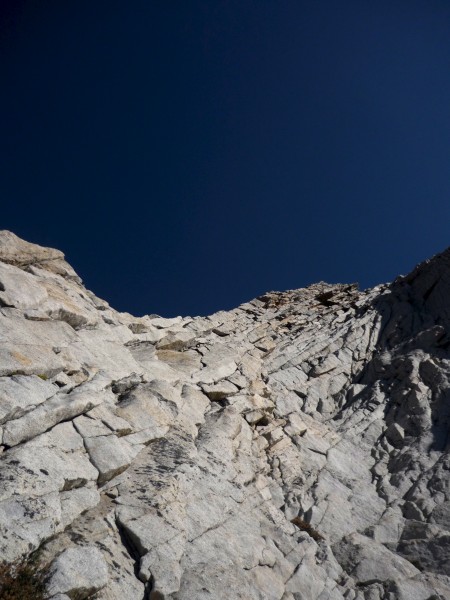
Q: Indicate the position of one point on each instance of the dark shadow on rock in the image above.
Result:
(412, 350)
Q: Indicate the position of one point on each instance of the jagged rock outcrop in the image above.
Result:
(295, 448)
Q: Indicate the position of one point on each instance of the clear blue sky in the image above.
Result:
(190, 155)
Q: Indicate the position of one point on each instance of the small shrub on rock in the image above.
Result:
(304, 526)
(22, 580)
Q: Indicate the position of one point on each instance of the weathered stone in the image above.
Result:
(368, 561)
(19, 289)
(395, 434)
(176, 340)
(162, 323)
(126, 383)
(110, 456)
(76, 501)
(88, 427)
(219, 391)
(295, 447)
(59, 408)
(19, 394)
(78, 572)
(18, 252)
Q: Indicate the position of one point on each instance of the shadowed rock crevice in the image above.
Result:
(134, 554)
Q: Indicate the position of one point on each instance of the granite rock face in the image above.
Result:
(295, 448)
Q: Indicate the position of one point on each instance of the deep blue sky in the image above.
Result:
(190, 155)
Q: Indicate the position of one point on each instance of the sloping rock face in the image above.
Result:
(295, 448)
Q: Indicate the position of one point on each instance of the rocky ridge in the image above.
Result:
(295, 448)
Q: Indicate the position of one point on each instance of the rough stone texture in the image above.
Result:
(78, 573)
(294, 448)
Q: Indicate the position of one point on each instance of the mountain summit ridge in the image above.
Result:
(293, 448)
